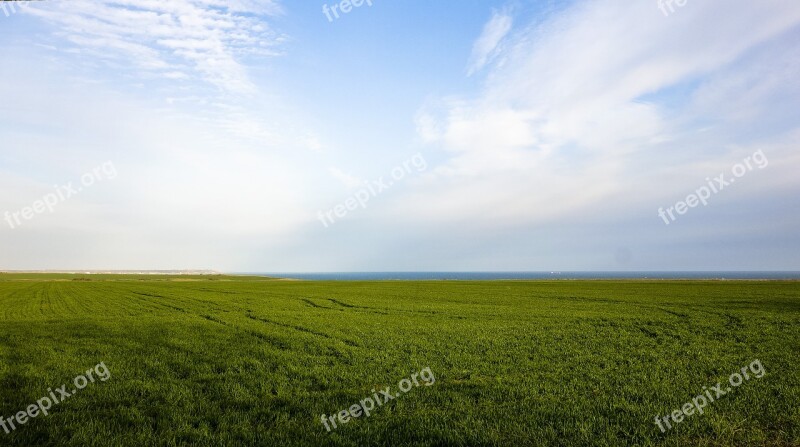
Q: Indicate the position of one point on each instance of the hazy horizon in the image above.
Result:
(487, 136)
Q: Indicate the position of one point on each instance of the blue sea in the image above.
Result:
(387, 276)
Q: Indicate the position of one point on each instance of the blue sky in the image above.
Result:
(552, 133)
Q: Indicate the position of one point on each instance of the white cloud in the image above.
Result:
(195, 56)
(486, 47)
(580, 108)
(205, 40)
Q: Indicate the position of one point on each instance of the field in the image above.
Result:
(218, 360)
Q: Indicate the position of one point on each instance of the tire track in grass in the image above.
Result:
(384, 311)
(179, 309)
(677, 314)
(346, 307)
(351, 308)
(217, 291)
(733, 322)
(215, 320)
(194, 305)
(302, 329)
(277, 343)
(635, 304)
(291, 326)
(655, 331)
(313, 304)
(379, 311)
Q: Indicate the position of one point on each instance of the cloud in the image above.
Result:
(589, 101)
(202, 40)
(195, 57)
(486, 47)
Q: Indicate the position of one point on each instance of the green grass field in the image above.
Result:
(217, 361)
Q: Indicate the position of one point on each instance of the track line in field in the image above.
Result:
(302, 329)
(276, 343)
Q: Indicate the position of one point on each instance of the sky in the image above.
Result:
(276, 136)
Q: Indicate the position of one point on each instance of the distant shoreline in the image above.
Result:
(522, 276)
(444, 276)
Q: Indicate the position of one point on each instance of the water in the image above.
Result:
(378, 276)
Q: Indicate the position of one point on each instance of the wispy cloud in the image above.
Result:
(486, 47)
(203, 40)
(194, 58)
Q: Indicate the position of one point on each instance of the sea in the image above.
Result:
(466, 276)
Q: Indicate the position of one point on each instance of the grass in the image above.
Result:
(219, 360)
